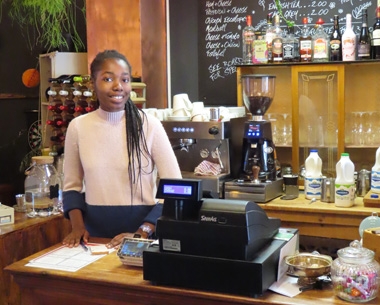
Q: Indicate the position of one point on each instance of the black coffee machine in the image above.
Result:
(259, 153)
(258, 178)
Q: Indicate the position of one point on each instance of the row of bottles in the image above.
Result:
(274, 45)
(344, 183)
(345, 186)
(68, 96)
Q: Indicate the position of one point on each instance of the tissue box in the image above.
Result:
(7, 215)
(371, 241)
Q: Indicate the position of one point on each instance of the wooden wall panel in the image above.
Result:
(136, 28)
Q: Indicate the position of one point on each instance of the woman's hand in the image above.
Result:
(116, 241)
(74, 238)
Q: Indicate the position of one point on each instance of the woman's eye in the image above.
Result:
(126, 80)
(107, 79)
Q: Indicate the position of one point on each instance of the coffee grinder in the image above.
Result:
(259, 168)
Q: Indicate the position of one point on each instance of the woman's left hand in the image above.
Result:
(116, 241)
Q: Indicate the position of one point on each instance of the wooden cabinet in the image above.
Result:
(331, 107)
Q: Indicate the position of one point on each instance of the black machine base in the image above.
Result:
(248, 278)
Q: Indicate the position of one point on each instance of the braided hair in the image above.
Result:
(134, 118)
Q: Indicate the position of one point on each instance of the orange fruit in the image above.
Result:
(31, 78)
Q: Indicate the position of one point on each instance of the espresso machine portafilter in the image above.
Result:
(195, 142)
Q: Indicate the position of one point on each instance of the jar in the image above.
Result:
(43, 182)
(355, 274)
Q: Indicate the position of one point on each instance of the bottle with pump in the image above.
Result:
(313, 175)
(364, 42)
(375, 174)
(320, 43)
(348, 41)
(305, 42)
(248, 38)
(375, 41)
(345, 182)
(336, 42)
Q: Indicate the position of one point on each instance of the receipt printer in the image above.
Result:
(7, 215)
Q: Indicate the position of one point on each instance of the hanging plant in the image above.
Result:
(45, 22)
(279, 9)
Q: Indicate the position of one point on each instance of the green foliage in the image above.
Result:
(45, 21)
(279, 9)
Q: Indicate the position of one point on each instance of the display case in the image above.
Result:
(330, 107)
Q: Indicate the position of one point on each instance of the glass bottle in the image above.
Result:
(375, 41)
(305, 42)
(42, 185)
(277, 42)
(336, 41)
(289, 47)
(364, 42)
(260, 49)
(269, 35)
(320, 43)
(348, 41)
(248, 38)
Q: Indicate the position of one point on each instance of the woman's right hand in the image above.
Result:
(74, 238)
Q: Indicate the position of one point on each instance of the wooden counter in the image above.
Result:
(108, 281)
(320, 219)
(23, 238)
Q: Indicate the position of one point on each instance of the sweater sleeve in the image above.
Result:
(154, 214)
(162, 152)
(73, 198)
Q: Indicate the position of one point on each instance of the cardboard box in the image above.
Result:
(7, 215)
(371, 240)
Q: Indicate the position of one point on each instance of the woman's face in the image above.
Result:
(112, 84)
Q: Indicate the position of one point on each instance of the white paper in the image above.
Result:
(65, 259)
(289, 248)
(286, 286)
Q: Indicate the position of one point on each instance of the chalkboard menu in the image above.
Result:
(221, 22)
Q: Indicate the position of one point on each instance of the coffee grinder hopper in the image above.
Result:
(258, 93)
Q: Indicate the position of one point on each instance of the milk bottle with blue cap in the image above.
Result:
(345, 182)
(313, 175)
(375, 174)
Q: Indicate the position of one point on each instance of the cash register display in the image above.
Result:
(182, 189)
(178, 189)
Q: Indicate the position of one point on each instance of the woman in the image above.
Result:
(110, 159)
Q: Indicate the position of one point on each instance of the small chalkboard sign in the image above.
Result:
(220, 23)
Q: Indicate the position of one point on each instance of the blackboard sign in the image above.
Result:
(221, 22)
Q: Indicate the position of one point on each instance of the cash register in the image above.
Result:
(212, 244)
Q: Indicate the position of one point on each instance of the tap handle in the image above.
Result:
(255, 172)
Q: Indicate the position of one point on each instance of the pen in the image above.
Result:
(83, 245)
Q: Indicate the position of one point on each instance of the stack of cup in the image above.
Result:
(197, 113)
(181, 105)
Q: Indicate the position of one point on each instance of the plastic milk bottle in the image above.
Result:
(375, 174)
(345, 182)
(313, 175)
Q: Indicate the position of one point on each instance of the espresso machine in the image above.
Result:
(201, 145)
(258, 177)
